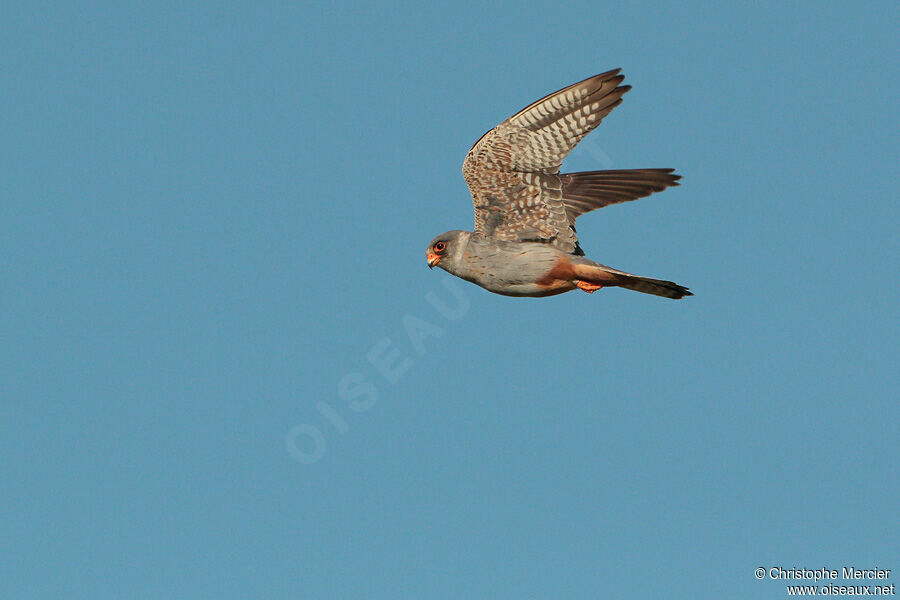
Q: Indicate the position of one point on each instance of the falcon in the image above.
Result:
(524, 243)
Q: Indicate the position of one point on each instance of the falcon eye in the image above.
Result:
(439, 247)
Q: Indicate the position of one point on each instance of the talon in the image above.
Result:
(590, 288)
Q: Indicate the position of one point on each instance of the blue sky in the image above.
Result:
(213, 230)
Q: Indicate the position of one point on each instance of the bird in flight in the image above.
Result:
(524, 243)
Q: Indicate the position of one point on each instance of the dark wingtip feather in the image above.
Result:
(605, 76)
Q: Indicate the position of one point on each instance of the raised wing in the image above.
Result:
(512, 170)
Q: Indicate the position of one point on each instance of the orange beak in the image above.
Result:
(433, 259)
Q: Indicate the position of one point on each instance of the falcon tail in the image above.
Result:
(602, 275)
(657, 287)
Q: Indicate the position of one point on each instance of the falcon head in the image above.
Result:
(445, 250)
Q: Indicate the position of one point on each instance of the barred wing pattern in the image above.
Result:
(512, 170)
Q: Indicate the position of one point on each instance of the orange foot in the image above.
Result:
(590, 288)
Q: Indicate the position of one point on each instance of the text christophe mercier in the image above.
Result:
(846, 573)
